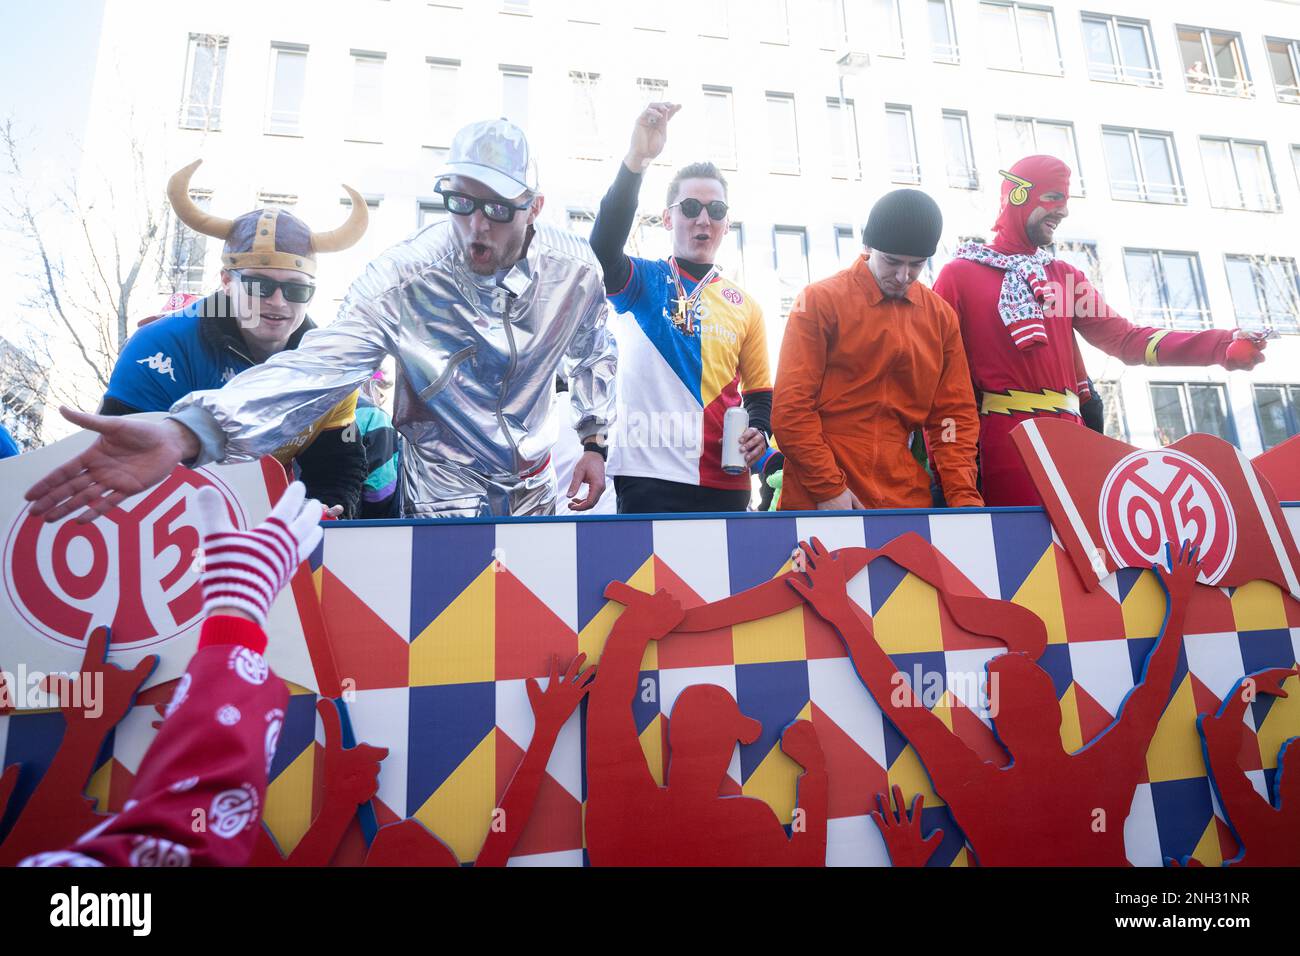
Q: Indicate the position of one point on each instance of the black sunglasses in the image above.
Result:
(691, 208)
(264, 287)
(463, 204)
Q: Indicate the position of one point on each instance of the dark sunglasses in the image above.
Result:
(691, 208)
(264, 287)
(463, 204)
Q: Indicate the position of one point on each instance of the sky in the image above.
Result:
(47, 62)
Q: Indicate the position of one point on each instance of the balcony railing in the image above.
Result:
(1288, 93)
(1263, 321)
(1250, 202)
(284, 122)
(200, 116)
(1190, 319)
(1129, 190)
(905, 173)
(1119, 73)
(1201, 82)
(945, 53)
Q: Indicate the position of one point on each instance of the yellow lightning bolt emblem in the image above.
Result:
(1014, 400)
(1020, 195)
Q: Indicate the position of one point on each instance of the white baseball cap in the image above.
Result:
(494, 153)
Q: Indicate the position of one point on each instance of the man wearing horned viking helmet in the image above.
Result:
(267, 280)
(1019, 309)
(481, 312)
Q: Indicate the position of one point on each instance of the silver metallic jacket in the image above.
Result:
(476, 367)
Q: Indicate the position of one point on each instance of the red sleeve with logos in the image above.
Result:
(199, 794)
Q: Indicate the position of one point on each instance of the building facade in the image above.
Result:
(1180, 121)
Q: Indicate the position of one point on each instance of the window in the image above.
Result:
(1239, 174)
(366, 123)
(652, 16)
(283, 200)
(1277, 407)
(846, 155)
(1020, 37)
(1120, 50)
(517, 7)
(1142, 166)
(1284, 61)
(943, 32)
(430, 211)
(783, 133)
(1083, 256)
(1167, 288)
(584, 132)
(832, 28)
(514, 94)
(1295, 161)
(443, 97)
(731, 257)
(188, 249)
(790, 244)
(901, 145)
(205, 68)
(1021, 136)
(847, 246)
(1265, 292)
(1212, 62)
(959, 156)
(1112, 404)
(774, 21)
(1182, 408)
(886, 27)
(581, 221)
(720, 126)
(289, 79)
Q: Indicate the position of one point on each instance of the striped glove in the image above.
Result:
(247, 569)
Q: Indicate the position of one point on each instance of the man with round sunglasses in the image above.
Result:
(690, 341)
(268, 278)
(480, 312)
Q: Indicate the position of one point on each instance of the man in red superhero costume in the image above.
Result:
(1019, 308)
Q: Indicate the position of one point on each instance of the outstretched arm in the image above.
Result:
(1221, 740)
(940, 750)
(613, 748)
(1141, 709)
(551, 708)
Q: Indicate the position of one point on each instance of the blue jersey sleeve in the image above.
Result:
(633, 296)
(153, 370)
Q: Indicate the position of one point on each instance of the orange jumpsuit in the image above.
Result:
(858, 374)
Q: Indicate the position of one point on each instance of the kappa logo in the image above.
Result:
(162, 364)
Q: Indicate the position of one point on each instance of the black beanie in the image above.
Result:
(906, 222)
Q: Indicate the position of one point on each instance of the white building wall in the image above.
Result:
(142, 62)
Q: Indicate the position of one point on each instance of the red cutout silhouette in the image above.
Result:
(411, 843)
(58, 812)
(1268, 831)
(902, 830)
(1047, 807)
(351, 777)
(631, 820)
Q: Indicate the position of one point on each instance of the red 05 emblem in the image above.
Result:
(134, 568)
(1153, 497)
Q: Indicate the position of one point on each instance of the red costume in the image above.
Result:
(198, 798)
(1019, 336)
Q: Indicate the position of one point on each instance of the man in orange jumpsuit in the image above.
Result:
(869, 356)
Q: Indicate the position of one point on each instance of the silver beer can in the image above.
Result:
(734, 423)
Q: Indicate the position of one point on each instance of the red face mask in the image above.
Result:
(1022, 188)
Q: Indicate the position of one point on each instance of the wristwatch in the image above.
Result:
(595, 444)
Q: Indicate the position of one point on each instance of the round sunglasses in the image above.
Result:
(264, 287)
(691, 208)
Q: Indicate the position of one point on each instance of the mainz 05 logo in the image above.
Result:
(1153, 497)
(134, 568)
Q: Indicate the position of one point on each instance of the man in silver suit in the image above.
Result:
(480, 312)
